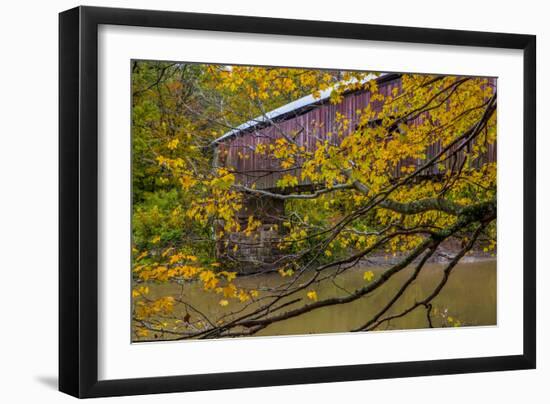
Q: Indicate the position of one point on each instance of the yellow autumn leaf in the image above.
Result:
(224, 302)
(142, 255)
(142, 290)
(368, 276)
(187, 181)
(243, 296)
(229, 291)
(142, 332)
(172, 144)
(312, 295)
(285, 272)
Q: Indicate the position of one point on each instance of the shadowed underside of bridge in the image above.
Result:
(309, 121)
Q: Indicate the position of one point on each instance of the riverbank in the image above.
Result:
(446, 252)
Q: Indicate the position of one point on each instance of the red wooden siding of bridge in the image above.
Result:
(313, 123)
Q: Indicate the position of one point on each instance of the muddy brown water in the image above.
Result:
(469, 297)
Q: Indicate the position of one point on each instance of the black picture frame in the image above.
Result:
(78, 201)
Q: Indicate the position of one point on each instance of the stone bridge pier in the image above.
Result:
(257, 250)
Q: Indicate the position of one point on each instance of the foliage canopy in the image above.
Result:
(185, 206)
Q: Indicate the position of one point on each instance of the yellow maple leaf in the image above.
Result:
(312, 295)
(172, 144)
(187, 181)
(368, 276)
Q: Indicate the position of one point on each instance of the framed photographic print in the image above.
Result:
(249, 201)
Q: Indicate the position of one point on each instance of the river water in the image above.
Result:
(468, 299)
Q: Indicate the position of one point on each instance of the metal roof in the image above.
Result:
(287, 108)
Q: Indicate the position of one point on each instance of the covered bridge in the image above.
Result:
(308, 121)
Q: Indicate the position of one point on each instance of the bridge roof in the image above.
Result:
(286, 109)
